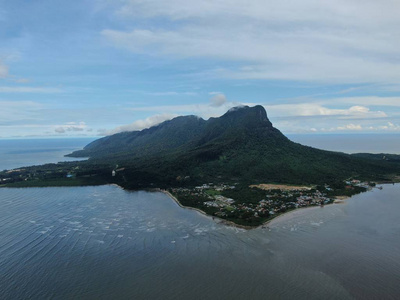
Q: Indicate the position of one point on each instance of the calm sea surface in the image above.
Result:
(351, 143)
(20, 153)
(107, 243)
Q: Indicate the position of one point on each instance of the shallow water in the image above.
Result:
(104, 242)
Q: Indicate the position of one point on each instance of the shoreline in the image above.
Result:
(218, 220)
(338, 200)
(231, 223)
(293, 211)
(214, 218)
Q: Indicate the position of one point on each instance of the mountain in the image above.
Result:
(185, 133)
(242, 145)
(239, 149)
(160, 139)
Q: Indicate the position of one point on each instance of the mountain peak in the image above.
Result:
(252, 116)
(239, 123)
(240, 145)
(236, 108)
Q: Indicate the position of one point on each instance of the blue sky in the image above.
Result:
(89, 68)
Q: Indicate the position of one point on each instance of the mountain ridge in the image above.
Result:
(240, 145)
(209, 164)
(196, 131)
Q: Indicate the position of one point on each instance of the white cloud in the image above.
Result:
(350, 127)
(386, 127)
(389, 127)
(141, 124)
(314, 109)
(218, 106)
(22, 80)
(310, 40)
(11, 111)
(298, 118)
(171, 93)
(70, 126)
(202, 110)
(367, 100)
(286, 116)
(21, 89)
(308, 11)
(3, 70)
(218, 100)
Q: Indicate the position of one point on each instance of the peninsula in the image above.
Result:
(237, 167)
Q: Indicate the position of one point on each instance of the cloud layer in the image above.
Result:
(25, 89)
(218, 100)
(318, 41)
(71, 126)
(313, 109)
(316, 66)
(141, 124)
(3, 70)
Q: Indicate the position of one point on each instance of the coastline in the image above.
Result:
(220, 221)
(230, 223)
(338, 200)
(291, 212)
(341, 199)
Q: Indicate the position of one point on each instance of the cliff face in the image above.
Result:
(240, 145)
(183, 133)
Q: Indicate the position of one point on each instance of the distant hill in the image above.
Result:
(242, 145)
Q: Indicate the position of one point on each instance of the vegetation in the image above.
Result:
(241, 147)
(251, 206)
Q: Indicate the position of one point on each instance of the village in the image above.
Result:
(263, 202)
(243, 204)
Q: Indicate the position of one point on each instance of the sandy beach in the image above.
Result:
(287, 215)
(220, 221)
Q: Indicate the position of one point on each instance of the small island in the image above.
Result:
(237, 167)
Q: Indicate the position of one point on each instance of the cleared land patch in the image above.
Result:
(283, 187)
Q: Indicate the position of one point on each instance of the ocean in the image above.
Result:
(104, 242)
(351, 143)
(15, 153)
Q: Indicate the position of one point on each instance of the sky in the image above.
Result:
(98, 67)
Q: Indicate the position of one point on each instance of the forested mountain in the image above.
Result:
(242, 145)
(164, 138)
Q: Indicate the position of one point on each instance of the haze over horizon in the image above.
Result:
(98, 67)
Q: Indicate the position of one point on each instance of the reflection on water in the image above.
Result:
(104, 242)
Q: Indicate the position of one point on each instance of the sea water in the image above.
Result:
(15, 153)
(351, 143)
(107, 243)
